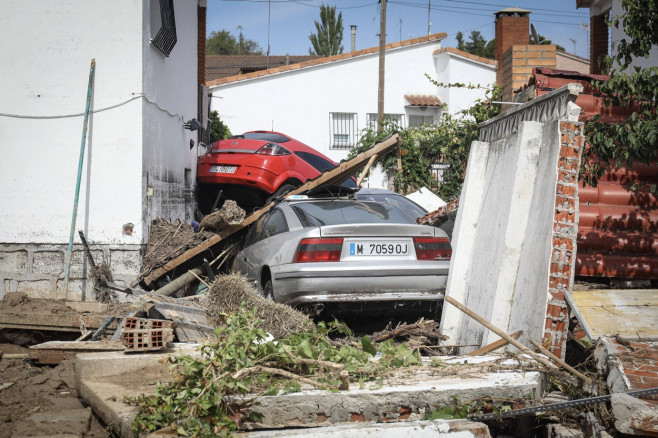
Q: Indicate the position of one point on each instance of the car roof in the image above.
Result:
(256, 139)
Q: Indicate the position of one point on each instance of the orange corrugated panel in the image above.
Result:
(618, 218)
(616, 242)
(619, 266)
(610, 193)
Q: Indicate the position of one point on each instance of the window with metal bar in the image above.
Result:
(417, 120)
(398, 119)
(163, 26)
(342, 130)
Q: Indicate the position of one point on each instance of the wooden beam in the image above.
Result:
(494, 345)
(366, 170)
(334, 176)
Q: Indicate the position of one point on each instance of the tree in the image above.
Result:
(218, 130)
(326, 42)
(477, 45)
(633, 87)
(448, 142)
(223, 43)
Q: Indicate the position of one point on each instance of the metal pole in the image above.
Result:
(382, 50)
(67, 260)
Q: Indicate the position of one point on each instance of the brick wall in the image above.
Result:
(599, 37)
(38, 269)
(629, 367)
(518, 62)
(565, 228)
(510, 31)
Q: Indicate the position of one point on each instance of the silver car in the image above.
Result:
(311, 251)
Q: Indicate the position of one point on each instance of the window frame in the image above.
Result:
(336, 127)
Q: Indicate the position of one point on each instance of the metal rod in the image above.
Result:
(67, 259)
(86, 245)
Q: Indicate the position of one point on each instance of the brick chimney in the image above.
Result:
(512, 28)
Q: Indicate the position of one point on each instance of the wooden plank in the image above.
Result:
(629, 313)
(494, 345)
(52, 322)
(52, 353)
(338, 174)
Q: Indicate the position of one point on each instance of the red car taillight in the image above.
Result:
(432, 248)
(319, 250)
(273, 149)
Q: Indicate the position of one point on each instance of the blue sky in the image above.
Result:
(290, 22)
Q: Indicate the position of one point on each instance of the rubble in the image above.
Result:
(634, 416)
(229, 214)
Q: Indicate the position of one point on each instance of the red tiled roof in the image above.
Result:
(222, 66)
(317, 61)
(422, 100)
(465, 55)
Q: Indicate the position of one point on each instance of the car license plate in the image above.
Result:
(223, 169)
(379, 248)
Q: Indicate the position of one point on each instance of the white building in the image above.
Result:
(326, 102)
(139, 162)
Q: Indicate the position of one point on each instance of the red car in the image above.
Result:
(256, 166)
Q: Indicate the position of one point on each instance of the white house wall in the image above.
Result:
(298, 102)
(455, 69)
(47, 48)
(170, 83)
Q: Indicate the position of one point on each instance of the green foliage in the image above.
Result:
(472, 408)
(449, 142)
(329, 33)
(223, 43)
(241, 362)
(218, 130)
(636, 88)
(477, 45)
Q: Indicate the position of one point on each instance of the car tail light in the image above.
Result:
(319, 250)
(432, 248)
(273, 149)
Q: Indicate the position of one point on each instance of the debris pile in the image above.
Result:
(231, 291)
(168, 240)
(229, 214)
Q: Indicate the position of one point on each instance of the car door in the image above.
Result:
(241, 259)
(266, 250)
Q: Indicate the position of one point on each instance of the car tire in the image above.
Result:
(268, 292)
(285, 188)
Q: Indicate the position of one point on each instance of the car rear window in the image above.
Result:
(319, 213)
(265, 136)
(322, 165)
(404, 204)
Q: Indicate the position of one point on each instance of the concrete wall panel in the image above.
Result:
(515, 230)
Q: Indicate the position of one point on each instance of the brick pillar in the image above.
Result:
(598, 36)
(517, 64)
(201, 44)
(512, 28)
(565, 230)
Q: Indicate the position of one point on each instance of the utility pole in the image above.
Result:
(429, 4)
(382, 49)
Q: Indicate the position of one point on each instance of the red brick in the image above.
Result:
(357, 418)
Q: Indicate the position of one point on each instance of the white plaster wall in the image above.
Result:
(298, 102)
(170, 83)
(453, 69)
(502, 237)
(47, 47)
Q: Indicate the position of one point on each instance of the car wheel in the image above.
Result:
(285, 188)
(268, 292)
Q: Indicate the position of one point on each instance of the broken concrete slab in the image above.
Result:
(634, 416)
(562, 431)
(515, 232)
(629, 313)
(43, 423)
(412, 429)
(629, 365)
(103, 379)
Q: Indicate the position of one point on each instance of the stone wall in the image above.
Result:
(38, 269)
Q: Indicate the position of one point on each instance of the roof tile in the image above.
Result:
(422, 100)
